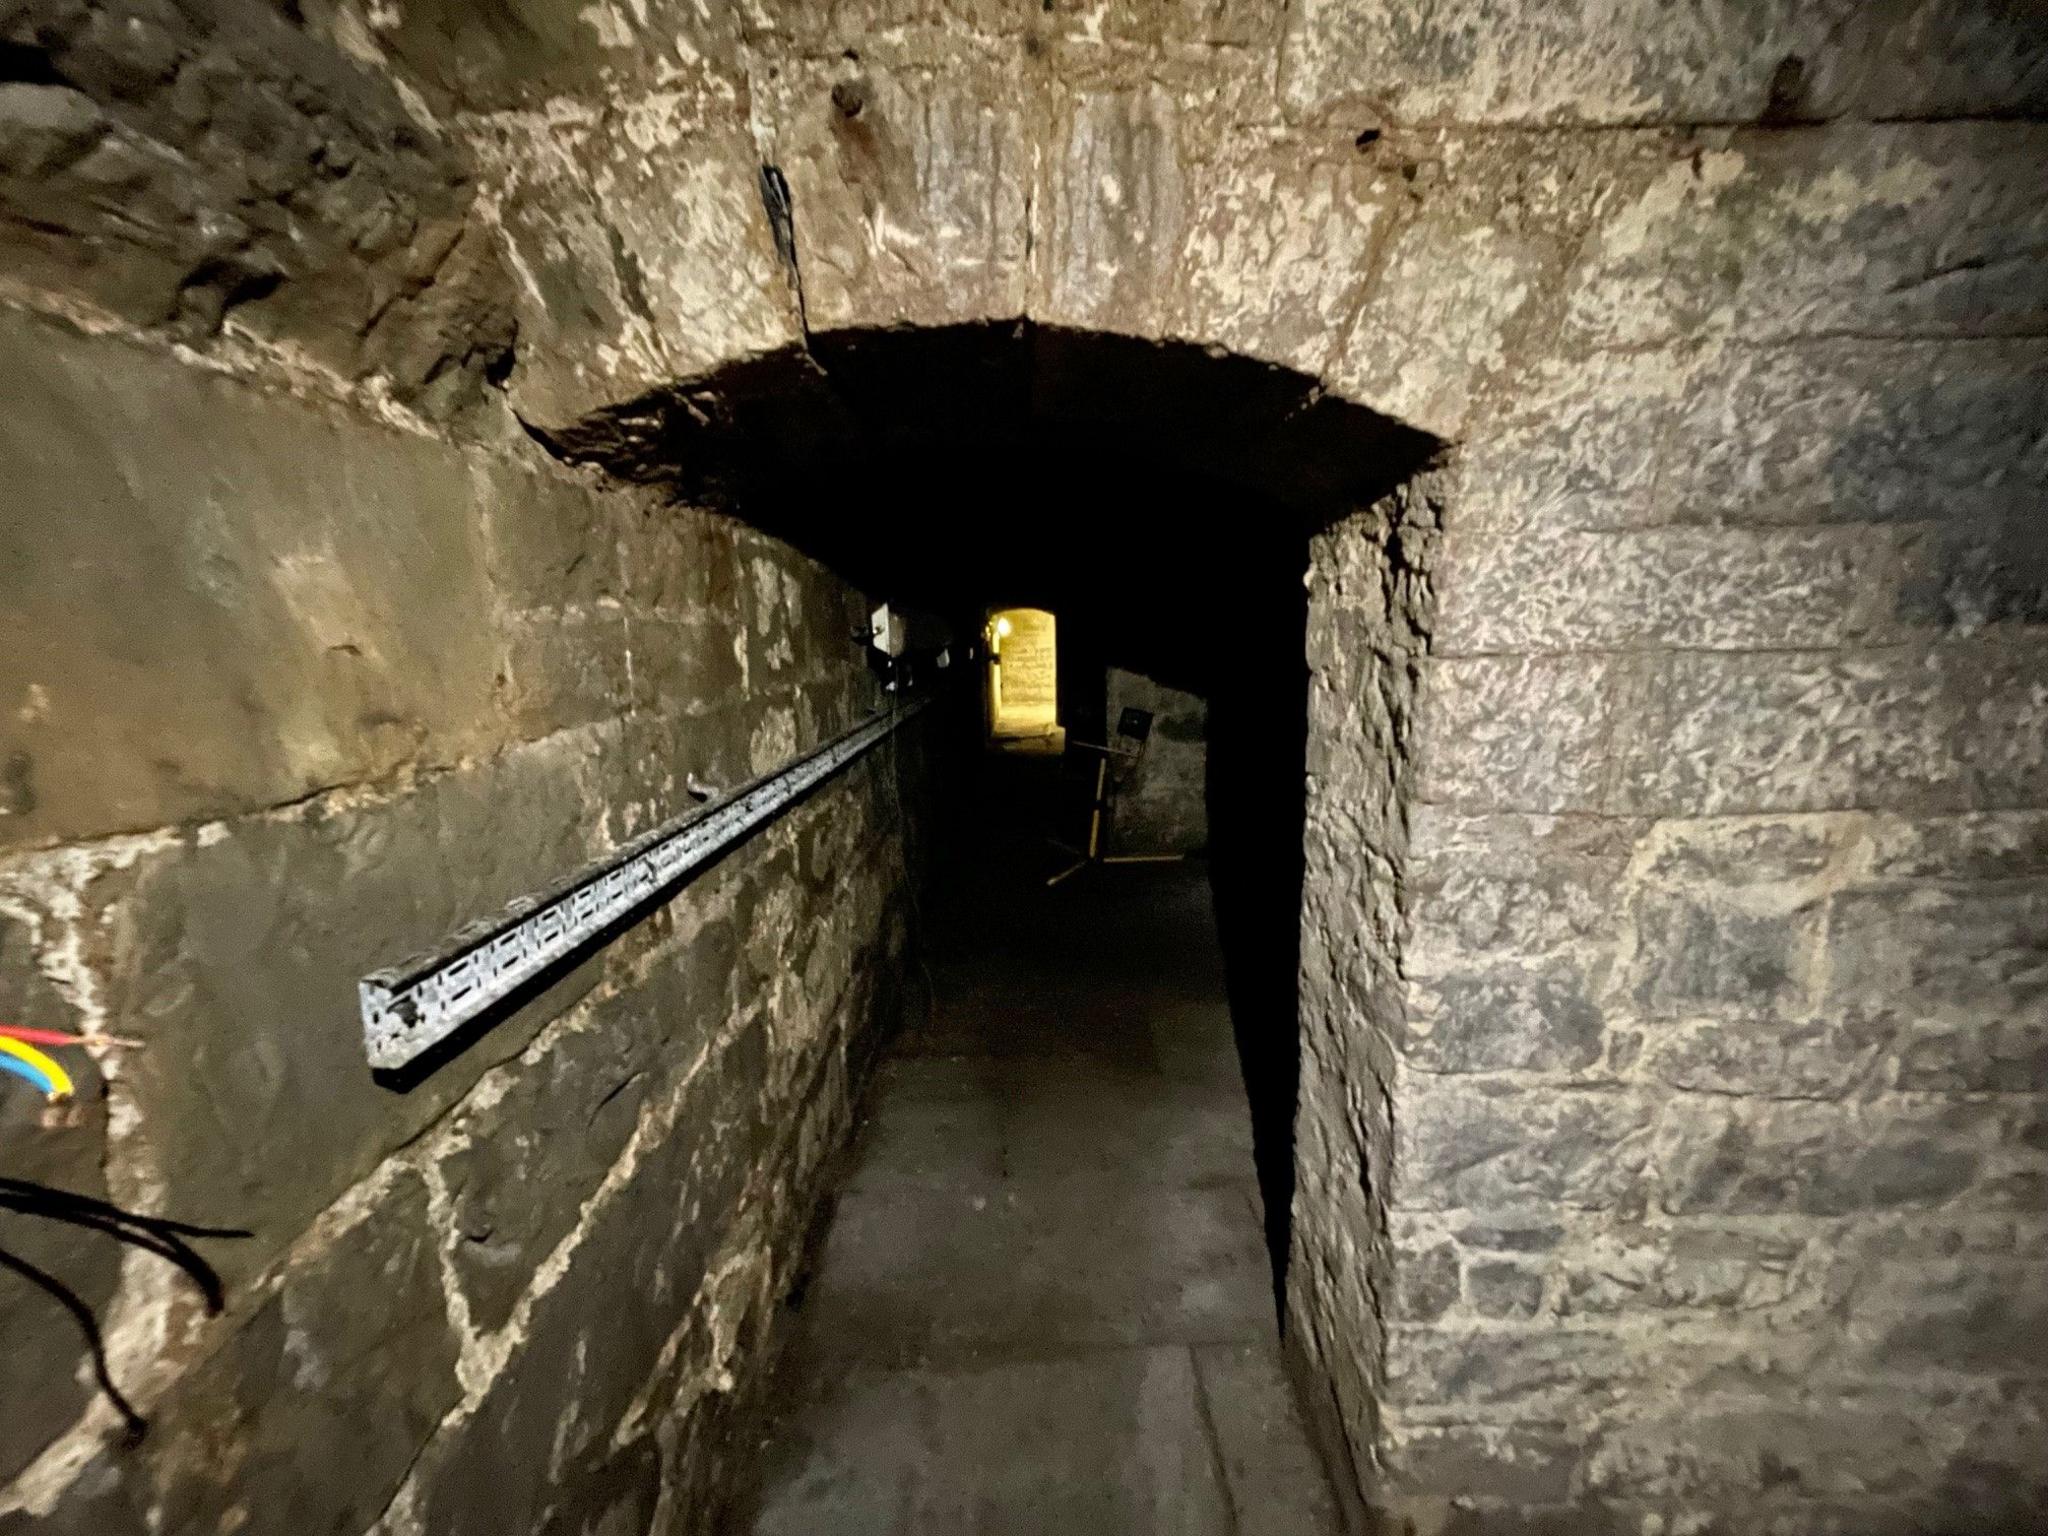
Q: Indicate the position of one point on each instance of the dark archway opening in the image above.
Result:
(1159, 497)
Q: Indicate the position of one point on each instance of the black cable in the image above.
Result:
(135, 1425)
(158, 1235)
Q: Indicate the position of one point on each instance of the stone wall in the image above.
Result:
(1670, 1145)
(308, 656)
(1161, 807)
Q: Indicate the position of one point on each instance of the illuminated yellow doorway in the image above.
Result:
(1023, 680)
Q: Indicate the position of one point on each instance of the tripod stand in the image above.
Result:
(1134, 725)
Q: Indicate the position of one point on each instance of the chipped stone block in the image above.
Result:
(1508, 1017)
(1117, 214)
(348, 1345)
(1276, 254)
(1719, 589)
(304, 628)
(1495, 887)
(1470, 61)
(1520, 1464)
(1516, 733)
(1821, 1159)
(1502, 1288)
(239, 965)
(1479, 1143)
(1921, 230)
(910, 190)
(1943, 729)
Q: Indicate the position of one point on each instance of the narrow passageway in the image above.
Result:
(1044, 1302)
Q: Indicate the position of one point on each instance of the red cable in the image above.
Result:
(41, 1036)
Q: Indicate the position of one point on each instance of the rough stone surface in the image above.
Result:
(1670, 1136)
(1161, 805)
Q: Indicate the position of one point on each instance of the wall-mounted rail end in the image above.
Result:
(410, 1008)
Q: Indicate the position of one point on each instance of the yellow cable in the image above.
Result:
(61, 1086)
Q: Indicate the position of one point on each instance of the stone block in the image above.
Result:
(1821, 1159)
(1426, 1283)
(911, 188)
(1907, 230)
(61, 1149)
(1467, 1369)
(1517, 1463)
(545, 1442)
(1979, 1317)
(647, 252)
(561, 672)
(1507, 1234)
(1831, 1449)
(469, 59)
(1512, 887)
(1277, 251)
(194, 624)
(1944, 729)
(1503, 1288)
(1633, 1270)
(524, 1158)
(1855, 431)
(1468, 61)
(1505, 1017)
(239, 963)
(347, 1346)
(1446, 305)
(1774, 862)
(1478, 1143)
(1922, 436)
(241, 165)
(553, 542)
(1698, 952)
(1118, 210)
(1765, 1056)
(1694, 588)
(1956, 976)
(1515, 733)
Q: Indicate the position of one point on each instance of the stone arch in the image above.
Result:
(1658, 1136)
(1125, 482)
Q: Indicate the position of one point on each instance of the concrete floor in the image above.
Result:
(1044, 1303)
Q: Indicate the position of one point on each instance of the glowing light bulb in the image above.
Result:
(1003, 627)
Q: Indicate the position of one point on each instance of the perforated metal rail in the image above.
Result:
(411, 1007)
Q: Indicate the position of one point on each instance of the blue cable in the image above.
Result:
(27, 1073)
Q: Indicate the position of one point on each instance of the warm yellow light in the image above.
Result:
(1023, 675)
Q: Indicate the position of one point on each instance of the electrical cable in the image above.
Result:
(133, 1422)
(60, 1037)
(54, 1080)
(26, 1073)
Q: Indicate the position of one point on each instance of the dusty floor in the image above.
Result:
(1044, 1302)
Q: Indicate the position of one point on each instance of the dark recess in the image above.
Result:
(1158, 496)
